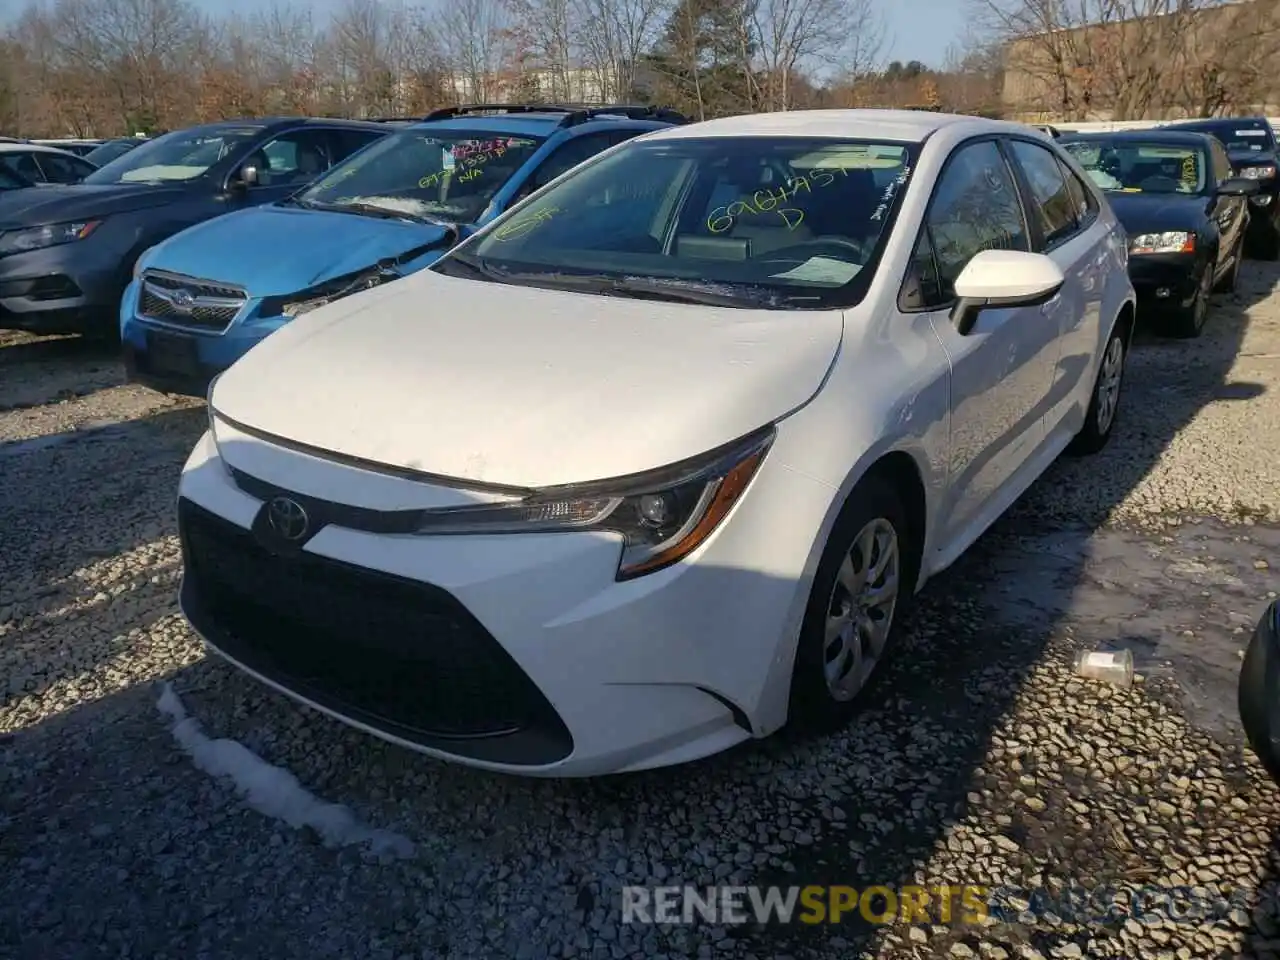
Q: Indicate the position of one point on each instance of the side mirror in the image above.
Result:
(1258, 692)
(249, 175)
(1238, 187)
(996, 279)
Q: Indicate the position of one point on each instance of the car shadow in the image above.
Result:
(868, 805)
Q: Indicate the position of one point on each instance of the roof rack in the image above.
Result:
(574, 113)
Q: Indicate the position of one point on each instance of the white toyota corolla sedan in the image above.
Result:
(655, 463)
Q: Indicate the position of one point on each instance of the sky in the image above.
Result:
(918, 29)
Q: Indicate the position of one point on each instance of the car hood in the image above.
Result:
(1251, 158)
(275, 251)
(66, 203)
(1154, 212)
(524, 387)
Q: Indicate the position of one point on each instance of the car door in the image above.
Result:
(23, 163)
(286, 163)
(1001, 368)
(60, 169)
(1061, 229)
(1231, 213)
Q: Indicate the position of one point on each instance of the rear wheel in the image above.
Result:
(1188, 322)
(1104, 403)
(864, 583)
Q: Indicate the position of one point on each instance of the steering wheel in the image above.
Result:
(815, 247)
(1158, 184)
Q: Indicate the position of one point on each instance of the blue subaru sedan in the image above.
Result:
(199, 300)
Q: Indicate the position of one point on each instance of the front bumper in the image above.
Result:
(1169, 278)
(69, 288)
(517, 653)
(191, 358)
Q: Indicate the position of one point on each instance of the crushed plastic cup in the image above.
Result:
(1112, 666)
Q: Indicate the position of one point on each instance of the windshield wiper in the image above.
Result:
(702, 292)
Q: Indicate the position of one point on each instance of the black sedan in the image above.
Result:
(1185, 210)
(1251, 145)
(67, 252)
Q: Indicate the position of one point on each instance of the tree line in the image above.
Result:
(108, 67)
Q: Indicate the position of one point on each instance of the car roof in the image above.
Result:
(34, 148)
(1218, 122)
(1151, 135)
(268, 124)
(535, 123)
(913, 126)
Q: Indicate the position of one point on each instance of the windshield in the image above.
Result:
(773, 222)
(1241, 135)
(177, 156)
(109, 151)
(426, 173)
(1133, 167)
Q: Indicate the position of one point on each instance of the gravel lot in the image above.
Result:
(980, 759)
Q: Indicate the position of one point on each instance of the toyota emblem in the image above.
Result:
(288, 519)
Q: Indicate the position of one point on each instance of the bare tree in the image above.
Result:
(476, 41)
(1077, 57)
(795, 34)
(615, 34)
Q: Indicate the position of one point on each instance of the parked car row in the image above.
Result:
(564, 441)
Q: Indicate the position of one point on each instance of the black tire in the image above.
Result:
(814, 707)
(1104, 401)
(1267, 244)
(1232, 277)
(1187, 323)
(1254, 692)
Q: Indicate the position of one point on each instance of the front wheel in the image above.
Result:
(864, 583)
(1104, 404)
(1187, 322)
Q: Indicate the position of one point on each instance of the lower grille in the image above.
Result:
(403, 657)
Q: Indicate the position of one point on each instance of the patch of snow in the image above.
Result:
(272, 791)
(394, 204)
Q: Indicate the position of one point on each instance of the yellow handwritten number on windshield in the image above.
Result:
(723, 218)
(525, 225)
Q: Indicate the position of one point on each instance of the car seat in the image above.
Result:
(311, 162)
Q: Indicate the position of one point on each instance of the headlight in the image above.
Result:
(662, 516)
(36, 238)
(1259, 173)
(1174, 241)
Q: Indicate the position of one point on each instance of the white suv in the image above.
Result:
(656, 461)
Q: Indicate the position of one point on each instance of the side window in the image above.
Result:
(569, 155)
(1085, 203)
(345, 142)
(24, 165)
(975, 208)
(63, 169)
(296, 157)
(1051, 201)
